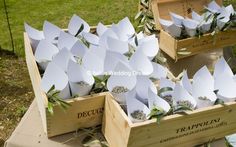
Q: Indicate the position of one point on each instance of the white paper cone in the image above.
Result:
(185, 82)
(177, 19)
(54, 75)
(121, 80)
(222, 68)
(103, 38)
(196, 16)
(143, 85)
(206, 76)
(62, 59)
(91, 38)
(200, 92)
(141, 63)
(166, 83)
(174, 30)
(124, 29)
(66, 40)
(116, 45)
(159, 71)
(77, 73)
(44, 53)
(155, 100)
(205, 26)
(79, 49)
(190, 26)
(181, 94)
(51, 32)
(101, 29)
(111, 60)
(75, 24)
(34, 35)
(150, 47)
(222, 22)
(165, 24)
(133, 105)
(213, 7)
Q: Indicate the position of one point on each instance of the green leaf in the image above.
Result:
(51, 89)
(185, 53)
(80, 30)
(181, 109)
(164, 89)
(136, 40)
(50, 108)
(219, 101)
(138, 15)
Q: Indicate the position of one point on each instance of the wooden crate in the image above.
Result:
(195, 45)
(84, 111)
(197, 127)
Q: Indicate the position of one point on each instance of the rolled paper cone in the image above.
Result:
(196, 16)
(143, 85)
(79, 90)
(135, 105)
(222, 22)
(75, 24)
(101, 29)
(159, 71)
(141, 63)
(190, 26)
(155, 101)
(165, 24)
(44, 53)
(222, 68)
(177, 19)
(34, 35)
(185, 82)
(51, 32)
(175, 30)
(103, 38)
(54, 75)
(91, 38)
(213, 7)
(66, 40)
(124, 29)
(150, 47)
(79, 49)
(181, 94)
(205, 26)
(117, 45)
(203, 96)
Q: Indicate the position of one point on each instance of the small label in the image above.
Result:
(90, 113)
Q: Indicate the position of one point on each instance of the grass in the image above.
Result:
(59, 12)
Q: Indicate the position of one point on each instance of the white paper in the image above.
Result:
(133, 105)
(128, 82)
(62, 59)
(75, 24)
(205, 26)
(91, 38)
(155, 100)
(222, 68)
(171, 28)
(213, 7)
(77, 73)
(159, 71)
(51, 32)
(66, 40)
(230, 9)
(226, 88)
(200, 90)
(44, 53)
(196, 16)
(54, 75)
(117, 45)
(34, 35)
(111, 60)
(79, 49)
(144, 84)
(206, 76)
(93, 62)
(103, 38)
(150, 47)
(181, 94)
(177, 19)
(164, 82)
(222, 22)
(124, 29)
(165, 24)
(185, 82)
(190, 26)
(141, 63)
(101, 29)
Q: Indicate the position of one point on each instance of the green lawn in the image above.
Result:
(59, 12)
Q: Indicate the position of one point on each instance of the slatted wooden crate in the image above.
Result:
(195, 45)
(84, 111)
(197, 127)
